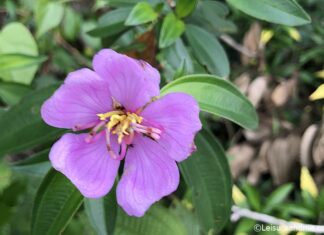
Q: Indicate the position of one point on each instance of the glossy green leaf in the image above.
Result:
(49, 17)
(111, 23)
(55, 203)
(187, 216)
(18, 61)
(142, 13)
(157, 220)
(23, 125)
(11, 93)
(172, 28)
(102, 213)
(208, 174)
(212, 15)
(24, 44)
(286, 12)
(185, 7)
(277, 197)
(208, 50)
(217, 96)
(174, 57)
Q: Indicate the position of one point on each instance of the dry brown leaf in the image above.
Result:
(243, 155)
(263, 132)
(318, 149)
(149, 53)
(257, 90)
(251, 41)
(282, 93)
(259, 165)
(282, 158)
(243, 82)
(307, 144)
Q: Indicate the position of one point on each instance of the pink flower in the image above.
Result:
(118, 103)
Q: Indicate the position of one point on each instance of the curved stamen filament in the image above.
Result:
(124, 125)
(149, 131)
(94, 131)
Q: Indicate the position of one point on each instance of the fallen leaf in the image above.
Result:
(251, 41)
(243, 82)
(283, 158)
(306, 145)
(242, 157)
(257, 90)
(282, 93)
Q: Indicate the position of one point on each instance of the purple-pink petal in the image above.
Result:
(76, 103)
(87, 165)
(149, 174)
(177, 115)
(131, 82)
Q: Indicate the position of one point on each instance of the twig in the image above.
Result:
(238, 213)
(74, 52)
(231, 42)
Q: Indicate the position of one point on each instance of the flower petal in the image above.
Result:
(76, 103)
(87, 165)
(148, 176)
(177, 115)
(132, 82)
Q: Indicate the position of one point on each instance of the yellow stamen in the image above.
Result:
(120, 122)
(104, 116)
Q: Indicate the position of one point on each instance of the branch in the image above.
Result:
(238, 213)
(231, 42)
(73, 51)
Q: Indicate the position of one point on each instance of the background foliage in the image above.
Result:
(244, 61)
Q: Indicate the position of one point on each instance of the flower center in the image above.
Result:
(124, 125)
(120, 123)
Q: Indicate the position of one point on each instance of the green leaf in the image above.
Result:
(208, 50)
(157, 220)
(252, 196)
(185, 7)
(320, 201)
(18, 61)
(49, 17)
(173, 57)
(286, 12)
(23, 125)
(23, 44)
(208, 174)
(11, 93)
(187, 216)
(294, 209)
(36, 165)
(277, 197)
(244, 226)
(102, 213)
(55, 203)
(5, 175)
(212, 15)
(142, 13)
(111, 23)
(71, 24)
(172, 28)
(216, 96)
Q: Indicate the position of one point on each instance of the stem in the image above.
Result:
(238, 212)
